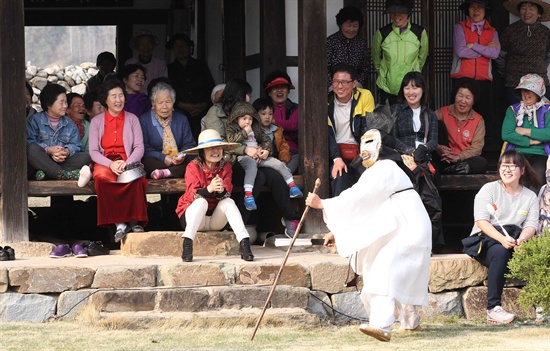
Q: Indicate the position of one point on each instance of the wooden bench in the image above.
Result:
(466, 181)
(70, 187)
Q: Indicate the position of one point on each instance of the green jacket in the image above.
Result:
(397, 55)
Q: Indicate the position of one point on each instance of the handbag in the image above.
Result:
(348, 151)
(478, 242)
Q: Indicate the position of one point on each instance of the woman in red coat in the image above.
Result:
(207, 203)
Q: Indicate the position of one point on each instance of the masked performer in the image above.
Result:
(381, 224)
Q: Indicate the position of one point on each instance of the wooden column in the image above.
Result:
(312, 43)
(272, 37)
(234, 43)
(14, 224)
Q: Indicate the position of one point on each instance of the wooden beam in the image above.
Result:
(14, 223)
(312, 42)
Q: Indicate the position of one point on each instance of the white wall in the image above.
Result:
(214, 36)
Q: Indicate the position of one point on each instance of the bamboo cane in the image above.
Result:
(296, 233)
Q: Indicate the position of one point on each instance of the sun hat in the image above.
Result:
(534, 83)
(210, 138)
(512, 6)
(278, 81)
(143, 32)
(466, 4)
(399, 6)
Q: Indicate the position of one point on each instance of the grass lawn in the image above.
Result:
(81, 336)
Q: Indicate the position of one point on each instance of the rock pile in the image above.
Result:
(72, 78)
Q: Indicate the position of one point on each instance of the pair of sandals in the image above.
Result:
(121, 233)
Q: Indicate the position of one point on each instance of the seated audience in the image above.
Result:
(526, 125)
(461, 133)
(144, 42)
(77, 113)
(28, 100)
(245, 129)
(92, 104)
(277, 86)
(133, 77)
(106, 63)
(116, 141)
(191, 79)
(54, 149)
(216, 93)
(206, 204)
(165, 133)
(347, 110)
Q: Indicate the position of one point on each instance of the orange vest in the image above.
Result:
(460, 138)
(479, 68)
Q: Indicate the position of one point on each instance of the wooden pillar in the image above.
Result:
(234, 44)
(312, 43)
(272, 36)
(14, 224)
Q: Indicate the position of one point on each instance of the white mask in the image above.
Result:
(371, 143)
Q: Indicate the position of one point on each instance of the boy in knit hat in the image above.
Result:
(245, 128)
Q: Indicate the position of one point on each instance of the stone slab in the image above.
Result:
(26, 307)
(121, 277)
(125, 300)
(70, 303)
(319, 303)
(293, 274)
(450, 272)
(350, 307)
(50, 279)
(474, 301)
(330, 277)
(154, 244)
(27, 249)
(183, 300)
(444, 303)
(230, 297)
(4, 281)
(196, 274)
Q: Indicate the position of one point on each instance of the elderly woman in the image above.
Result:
(116, 140)
(77, 113)
(217, 118)
(54, 149)
(165, 133)
(133, 77)
(346, 46)
(476, 44)
(525, 44)
(526, 126)
(277, 86)
(461, 133)
(206, 204)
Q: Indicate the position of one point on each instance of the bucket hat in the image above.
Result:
(512, 6)
(534, 83)
(399, 6)
(143, 32)
(210, 138)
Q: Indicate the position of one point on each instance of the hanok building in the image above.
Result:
(238, 38)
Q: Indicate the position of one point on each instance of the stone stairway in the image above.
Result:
(147, 281)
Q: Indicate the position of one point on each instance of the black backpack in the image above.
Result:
(415, 28)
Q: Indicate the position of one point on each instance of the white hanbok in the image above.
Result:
(382, 224)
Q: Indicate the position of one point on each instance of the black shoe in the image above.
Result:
(11, 252)
(246, 253)
(95, 248)
(187, 253)
(3, 254)
(121, 233)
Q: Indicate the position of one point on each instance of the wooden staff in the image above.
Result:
(317, 185)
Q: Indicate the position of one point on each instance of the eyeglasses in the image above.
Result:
(344, 83)
(510, 167)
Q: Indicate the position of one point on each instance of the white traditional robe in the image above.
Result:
(387, 231)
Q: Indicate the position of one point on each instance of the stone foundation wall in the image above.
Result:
(72, 78)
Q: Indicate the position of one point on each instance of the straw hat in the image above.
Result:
(512, 6)
(210, 138)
